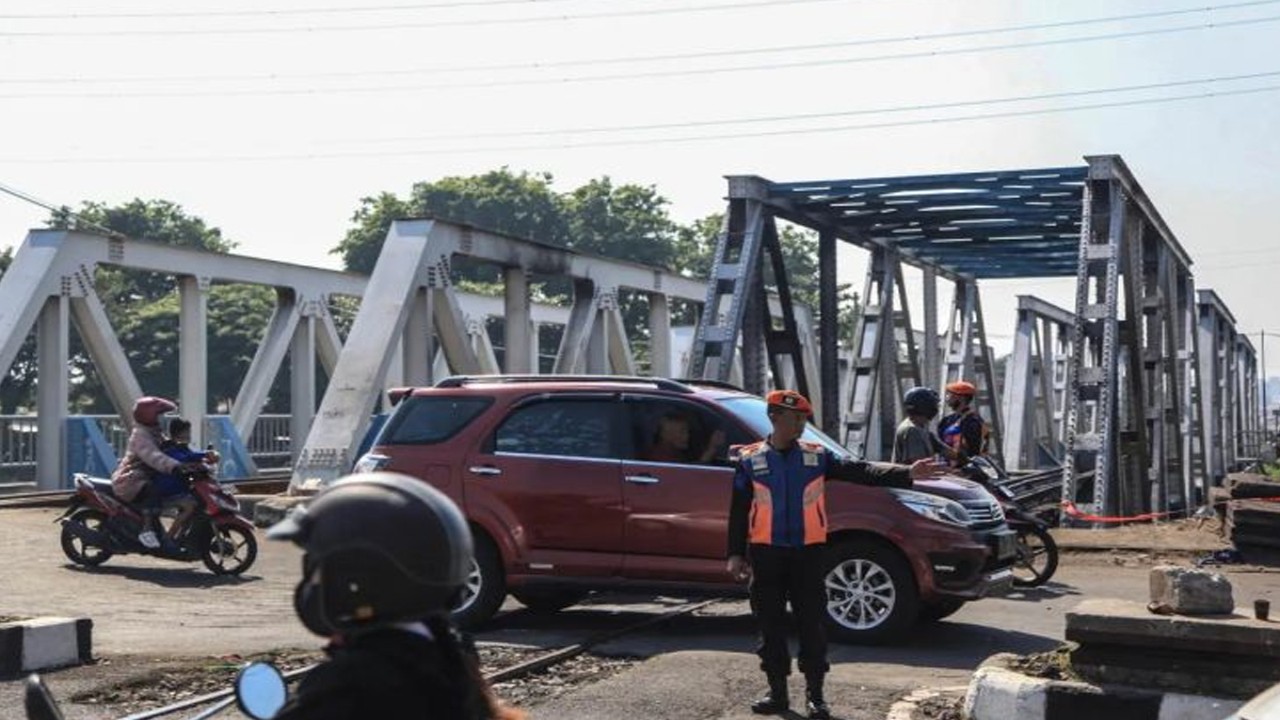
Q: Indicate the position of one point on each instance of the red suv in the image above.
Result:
(574, 484)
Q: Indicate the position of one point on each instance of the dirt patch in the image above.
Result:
(168, 682)
(530, 690)
(1053, 665)
(12, 619)
(939, 707)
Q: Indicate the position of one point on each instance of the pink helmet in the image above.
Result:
(147, 410)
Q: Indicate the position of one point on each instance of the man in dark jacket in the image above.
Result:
(386, 557)
(777, 532)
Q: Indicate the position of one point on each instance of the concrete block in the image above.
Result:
(42, 643)
(1129, 624)
(999, 694)
(1175, 706)
(1191, 591)
(271, 510)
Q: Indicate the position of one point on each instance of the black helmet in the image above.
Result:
(922, 401)
(388, 548)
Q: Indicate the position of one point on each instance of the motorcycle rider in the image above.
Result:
(143, 458)
(963, 431)
(913, 441)
(386, 557)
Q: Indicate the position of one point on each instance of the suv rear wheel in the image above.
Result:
(871, 594)
(486, 586)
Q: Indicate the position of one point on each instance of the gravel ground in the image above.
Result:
(156, 682)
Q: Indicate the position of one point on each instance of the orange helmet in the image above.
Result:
(789, 400)
(962, 387)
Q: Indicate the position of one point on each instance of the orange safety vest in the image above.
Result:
(788, 494)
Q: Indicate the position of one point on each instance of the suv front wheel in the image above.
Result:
(486, 586)
(871, 594)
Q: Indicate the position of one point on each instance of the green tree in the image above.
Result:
(143, 306)
(695, 250)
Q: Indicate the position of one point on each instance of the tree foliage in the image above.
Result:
(143, 307)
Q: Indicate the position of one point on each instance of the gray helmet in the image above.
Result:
(922, 401)
(387, 548)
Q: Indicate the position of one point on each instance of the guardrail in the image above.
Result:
(269, 443)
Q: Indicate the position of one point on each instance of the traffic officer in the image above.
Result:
(963, 430)
(777, 533)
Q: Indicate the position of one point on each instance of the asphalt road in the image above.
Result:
(701, 665)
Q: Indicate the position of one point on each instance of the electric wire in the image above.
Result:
(823, 115)
(653, 74)
(10, 190)
(570, 145)
(469, 22)
(543, 65)
(260, 12)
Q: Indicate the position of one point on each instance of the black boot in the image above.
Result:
(815, 703)
(776, 702)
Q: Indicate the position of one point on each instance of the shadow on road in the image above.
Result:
(945, 644)
(175, 577)
(1048, 591)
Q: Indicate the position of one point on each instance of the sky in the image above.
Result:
(271, 119)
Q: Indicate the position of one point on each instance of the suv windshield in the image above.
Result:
(754, 412)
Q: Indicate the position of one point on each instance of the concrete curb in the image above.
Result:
(41, 643)
(997, 693)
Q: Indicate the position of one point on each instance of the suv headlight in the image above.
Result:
(933, 506)
(371, 463)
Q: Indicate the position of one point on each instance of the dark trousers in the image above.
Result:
(779, 575)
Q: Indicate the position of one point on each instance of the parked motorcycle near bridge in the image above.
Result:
(98, 525)
(1037, 551)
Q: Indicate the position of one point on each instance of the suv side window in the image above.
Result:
(431, 419)
(570, 428)
(678, 432)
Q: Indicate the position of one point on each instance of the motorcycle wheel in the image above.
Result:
(230, 550)
(1037, 557)
(75, 547)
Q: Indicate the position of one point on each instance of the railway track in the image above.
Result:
(215, 702)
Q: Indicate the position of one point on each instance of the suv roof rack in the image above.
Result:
(709, 383)
(454, 381)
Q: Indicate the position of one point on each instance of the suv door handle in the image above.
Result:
(484, 470)
(641, 479)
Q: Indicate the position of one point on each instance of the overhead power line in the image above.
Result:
(59, 208)
(591, 130)
(544, 65)
(271, 12)
(454, 149)
(648, 74)
(401, 25)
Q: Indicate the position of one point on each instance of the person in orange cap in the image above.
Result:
(777, 533)
(963, 431)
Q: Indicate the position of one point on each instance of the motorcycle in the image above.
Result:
(1037, 551)
(98, 525)
(259, 691)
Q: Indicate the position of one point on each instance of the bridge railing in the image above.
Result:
(268, 443)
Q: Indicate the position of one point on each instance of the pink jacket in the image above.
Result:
(141, 459)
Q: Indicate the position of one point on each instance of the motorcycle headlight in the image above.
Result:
(933, 507)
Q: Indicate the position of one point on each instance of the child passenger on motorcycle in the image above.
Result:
(143, 458)
(171, 488)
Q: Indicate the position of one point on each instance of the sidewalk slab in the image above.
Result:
(997, 693)
(1121, 622)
